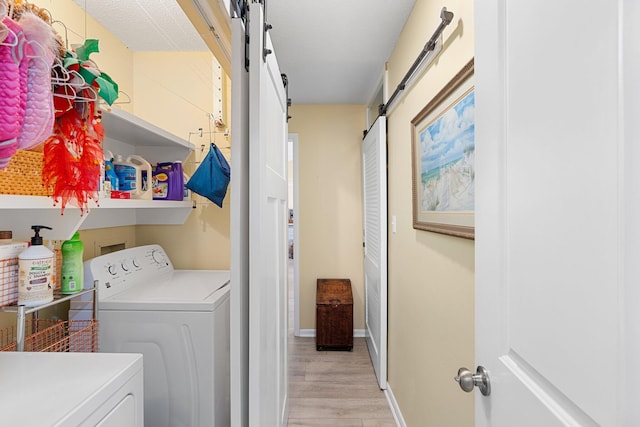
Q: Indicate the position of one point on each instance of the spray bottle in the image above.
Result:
(110, 177)
(35, 265)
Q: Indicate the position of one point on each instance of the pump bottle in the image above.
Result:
(35, 266)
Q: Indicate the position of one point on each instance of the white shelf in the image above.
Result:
(127, 134)
(124, 134)
(19, 213)
(116, 212)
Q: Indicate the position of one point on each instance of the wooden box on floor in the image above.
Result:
(334, 314)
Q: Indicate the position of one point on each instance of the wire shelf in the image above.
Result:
(45, 335)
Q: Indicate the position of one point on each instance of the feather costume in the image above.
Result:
(73, 154)
(72, 157)
(39, 116)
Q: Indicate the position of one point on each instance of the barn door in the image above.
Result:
(268, 218)
(239, 231)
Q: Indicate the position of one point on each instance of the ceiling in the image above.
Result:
(333, 51)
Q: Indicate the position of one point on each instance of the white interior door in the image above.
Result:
(557, 212)
(239, 299)
(268, 221)
(374, 170)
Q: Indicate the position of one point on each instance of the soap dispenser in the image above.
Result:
(35, 267)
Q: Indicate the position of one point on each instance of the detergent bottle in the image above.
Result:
(168, 181)
(134, 176)
(72, 266)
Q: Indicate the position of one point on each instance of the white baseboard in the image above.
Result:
(395, 409)
(311, 333)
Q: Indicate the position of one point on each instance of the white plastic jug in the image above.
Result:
(134, 176)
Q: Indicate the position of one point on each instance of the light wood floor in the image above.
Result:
(333, 388)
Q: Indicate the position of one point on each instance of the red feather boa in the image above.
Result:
(72, 157)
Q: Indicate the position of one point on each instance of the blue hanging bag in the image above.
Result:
(212, 177)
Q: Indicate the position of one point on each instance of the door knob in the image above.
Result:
(468, 380)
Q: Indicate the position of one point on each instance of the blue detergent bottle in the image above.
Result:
(110, 172)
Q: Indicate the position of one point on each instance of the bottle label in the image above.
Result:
(34, 280)
(72, 274)
(127, 177)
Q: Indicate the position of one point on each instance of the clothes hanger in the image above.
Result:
(66, 32)
(126, 101)
(58, 70)
(69, 92)
(37, 51)
(93, 95)
(76, 80)
(4, 30)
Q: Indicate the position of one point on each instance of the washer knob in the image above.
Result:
(111, 268)
(158, 257)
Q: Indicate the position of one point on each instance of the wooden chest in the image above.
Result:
(334, 314)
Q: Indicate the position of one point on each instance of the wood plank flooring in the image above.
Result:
(332, 388)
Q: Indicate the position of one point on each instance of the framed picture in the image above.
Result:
(442, 154)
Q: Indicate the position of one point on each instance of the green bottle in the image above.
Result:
(72, 266)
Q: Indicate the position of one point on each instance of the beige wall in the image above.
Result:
(174, 90)
(330, 192)
(431, 276)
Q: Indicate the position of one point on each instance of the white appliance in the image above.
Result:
(179, 321)
(71, 389)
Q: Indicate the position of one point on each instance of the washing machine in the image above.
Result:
(179, 321)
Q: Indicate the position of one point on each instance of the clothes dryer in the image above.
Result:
(179, 321)
(71, 389)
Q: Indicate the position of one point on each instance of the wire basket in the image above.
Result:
(8, 281)
(45, 335)
(23, 176)
(9, 272)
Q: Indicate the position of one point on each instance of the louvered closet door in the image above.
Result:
(374, 162)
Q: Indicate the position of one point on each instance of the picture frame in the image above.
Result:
(442, 156)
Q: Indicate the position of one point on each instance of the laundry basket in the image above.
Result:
(23, 176)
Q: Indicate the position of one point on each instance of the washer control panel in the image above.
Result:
(118, 271)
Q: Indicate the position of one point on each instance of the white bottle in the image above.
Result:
(35, 267)
(134, 176)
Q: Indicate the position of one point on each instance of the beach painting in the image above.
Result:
(446, 159)
(443, 159)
